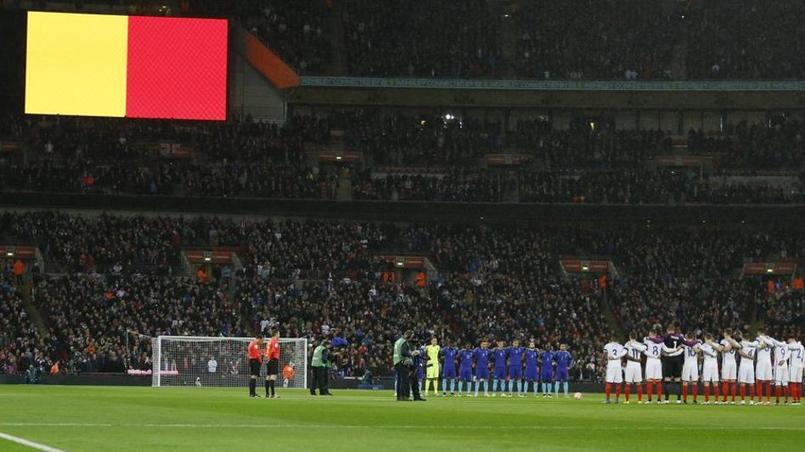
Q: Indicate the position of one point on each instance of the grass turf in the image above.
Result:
(81, 418)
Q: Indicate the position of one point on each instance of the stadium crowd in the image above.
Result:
(542, 39)
(319, 279)
(421, 158)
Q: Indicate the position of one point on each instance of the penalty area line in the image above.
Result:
(27, 443)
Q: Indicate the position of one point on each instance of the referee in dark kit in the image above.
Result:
(255, 363)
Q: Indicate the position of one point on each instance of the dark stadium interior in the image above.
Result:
(680, 195)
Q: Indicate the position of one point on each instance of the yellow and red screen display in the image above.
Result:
(126, 66)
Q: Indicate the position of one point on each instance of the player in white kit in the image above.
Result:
(613, 354)
(634, 373)
(763, 368)
(690, 368)
(746, 370)
(655, 348)
(709, 369)
(796, 363)
(780, 363)
(729, 368)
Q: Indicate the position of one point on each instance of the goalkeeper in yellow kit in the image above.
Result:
(432, 373)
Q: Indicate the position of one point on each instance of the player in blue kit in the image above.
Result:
(546, 375)
(516, 368)
(482, 367)
(564, 361)
(449, 355)
(465, 357)
(531, 358)
(420, 368)
(499, 382)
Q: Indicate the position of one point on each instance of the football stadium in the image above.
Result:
(402, 225)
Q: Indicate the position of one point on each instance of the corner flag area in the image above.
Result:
(136, 419)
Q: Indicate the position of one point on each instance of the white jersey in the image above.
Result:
(728, 356)
(709, 353)
(781, 352)
(634, 350)
(797, 357)
(690, 353)
(653, 349)
(614, 351)
(764, 349)
(749, 349)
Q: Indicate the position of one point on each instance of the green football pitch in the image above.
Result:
(81, 418)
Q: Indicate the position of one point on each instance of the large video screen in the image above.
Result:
(126, 66)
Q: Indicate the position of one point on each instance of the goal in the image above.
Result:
(220, 361)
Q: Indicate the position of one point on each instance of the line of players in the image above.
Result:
(506, 369)
(672, 361)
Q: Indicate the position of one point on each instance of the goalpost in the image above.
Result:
(220, 361)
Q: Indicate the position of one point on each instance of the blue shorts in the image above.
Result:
(449, 372)
(466, 375)
(547, 377)
(482, 373)
(562, 375)
(500, 374)
(531, 374)
(515, 373)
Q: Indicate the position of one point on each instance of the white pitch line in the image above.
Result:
(407, 427)
(31, 444)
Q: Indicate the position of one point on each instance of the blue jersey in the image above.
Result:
(531, 356)
(481, 357)
(449, 358)
(419, 363)
(465, 359)
(563, 360)
(547, 362)
(500, 358)
(515, 357)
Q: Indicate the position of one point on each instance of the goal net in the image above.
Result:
(221, 362)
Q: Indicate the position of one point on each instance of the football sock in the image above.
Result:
(639, 392)
(627, 390)
(566, 387)
(608, 390)
(268, 388)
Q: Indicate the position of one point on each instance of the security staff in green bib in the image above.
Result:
(320, 363)
(402, 365)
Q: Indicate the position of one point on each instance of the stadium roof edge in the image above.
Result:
(553, 85)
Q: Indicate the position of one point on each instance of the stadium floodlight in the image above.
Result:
(219, 361)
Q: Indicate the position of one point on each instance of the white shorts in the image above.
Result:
(690, 371)
(653, 369)
(746, 373)
(795, 374)
(763, 371)
(729, 371)
(710, 373)
(781, 376)
(614, 371)
(634, 374)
